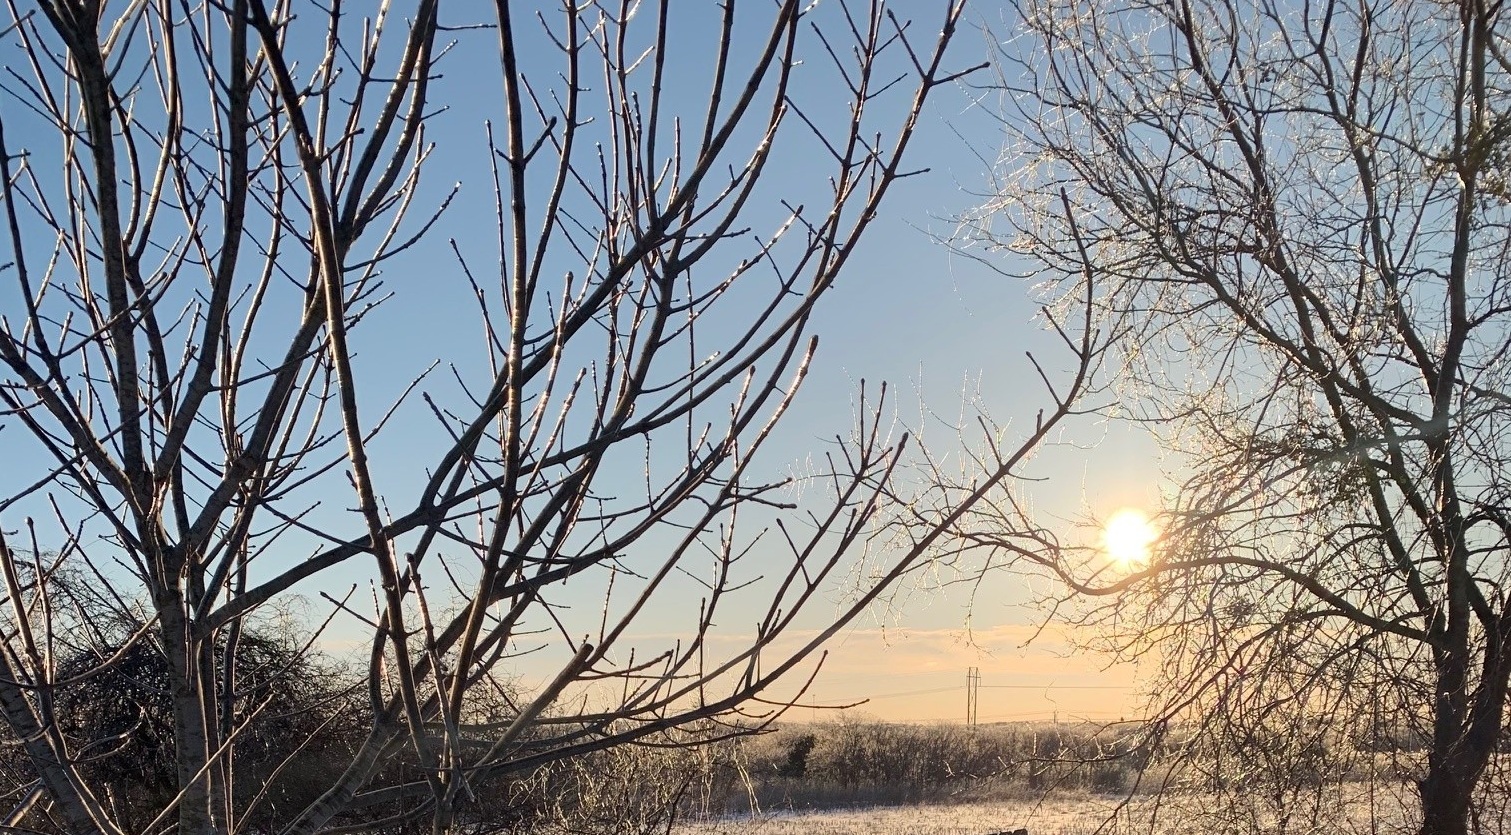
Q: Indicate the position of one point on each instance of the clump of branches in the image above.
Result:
(219, 219)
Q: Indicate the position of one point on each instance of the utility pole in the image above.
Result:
(972, 694)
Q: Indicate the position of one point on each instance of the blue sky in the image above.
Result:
(945, 332)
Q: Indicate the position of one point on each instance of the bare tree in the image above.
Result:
(1295, 218)
(205, 203)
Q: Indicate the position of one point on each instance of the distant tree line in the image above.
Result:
(1290, 763)
(857, 762)
(297, 712)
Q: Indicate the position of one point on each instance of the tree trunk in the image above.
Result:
(190, 742)
(1445, 800)
(1469, 726)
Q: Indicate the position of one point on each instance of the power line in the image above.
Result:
(1083, 715)
(872, 698)
(1057, 686)
(932, 691)
(913, 693)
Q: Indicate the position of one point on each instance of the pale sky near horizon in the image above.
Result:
(940, 327)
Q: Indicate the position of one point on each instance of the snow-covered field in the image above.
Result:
(1048, 818)
(1073, 816)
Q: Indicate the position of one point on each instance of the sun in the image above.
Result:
(1128, 536)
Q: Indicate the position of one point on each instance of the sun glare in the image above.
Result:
(1128, 537)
